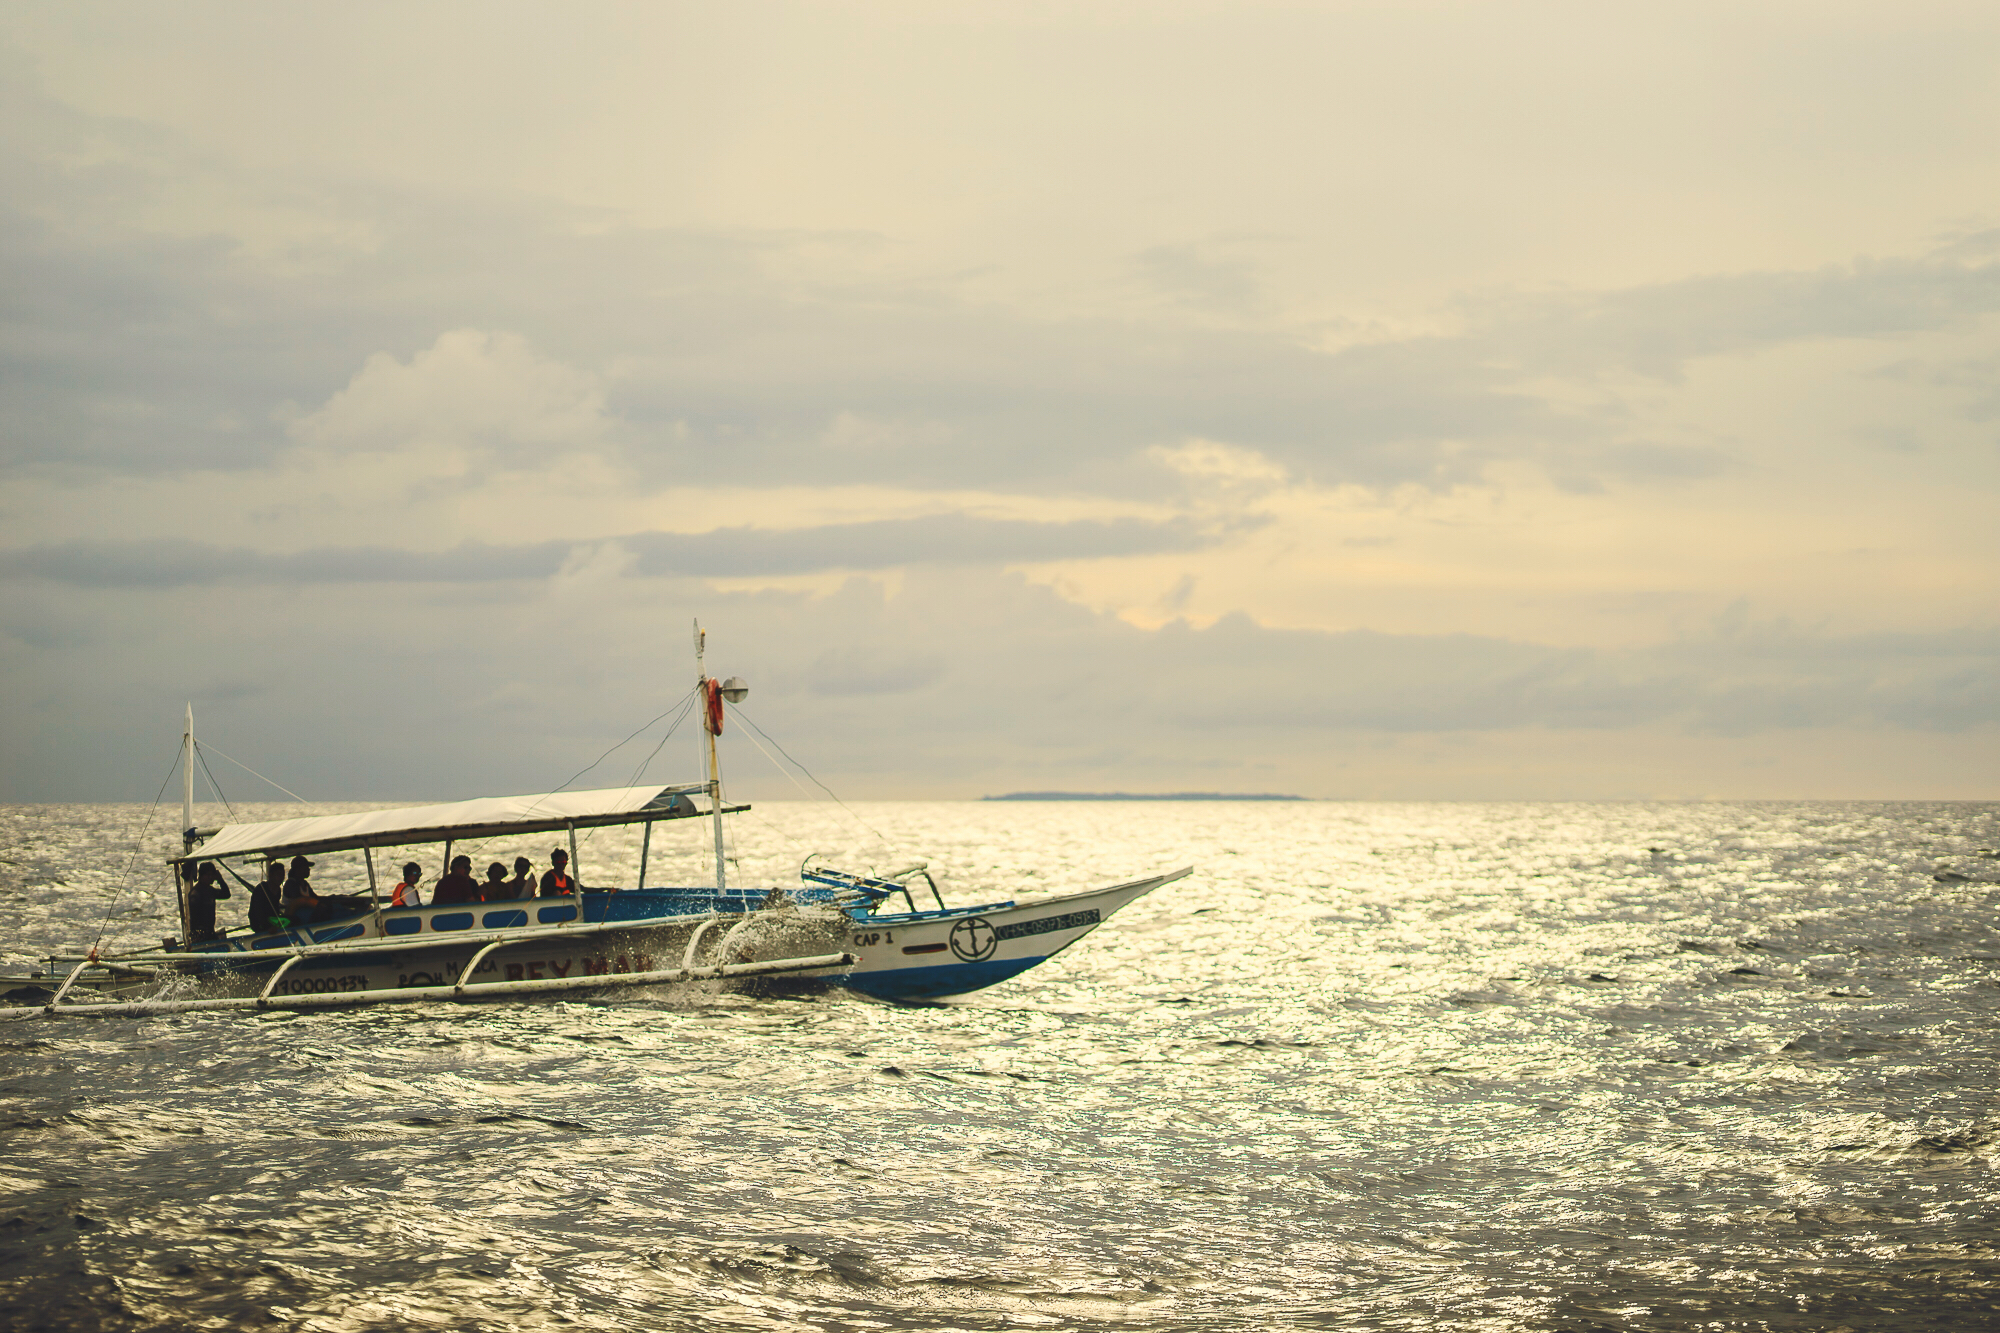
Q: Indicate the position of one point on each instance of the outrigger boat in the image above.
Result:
(836, 928)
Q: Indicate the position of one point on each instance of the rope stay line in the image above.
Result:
(621, 745)
(214, 786)
(739, 711)
(204, 745)
(687, 703)
(138, 850)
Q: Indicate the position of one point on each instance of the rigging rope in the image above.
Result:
(672, 727)
(738, 709)
(137, 851)
(639, 772)
(621, 745)
(255, 774)
(213, 784)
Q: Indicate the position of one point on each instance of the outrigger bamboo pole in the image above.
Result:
(417, 994)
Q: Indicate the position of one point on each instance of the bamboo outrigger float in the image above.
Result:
(833, 929)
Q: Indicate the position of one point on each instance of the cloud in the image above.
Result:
(665, 350)
(469, 389)
(875, 670)
(936, 539)
(1190, 276)
(1659, 328)
(174, 562)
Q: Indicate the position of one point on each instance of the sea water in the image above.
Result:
(1480, 1067)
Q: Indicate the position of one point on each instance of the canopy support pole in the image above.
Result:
(645, 850)
(374, 894)
(575, 871)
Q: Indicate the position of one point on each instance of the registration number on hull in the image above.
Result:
(321, 985)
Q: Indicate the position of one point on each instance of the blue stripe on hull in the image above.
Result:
(928, 983)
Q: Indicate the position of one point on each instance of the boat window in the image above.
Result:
(452, 921)
(497, 920)
(408, 925)
(549, 915)
(342, 933)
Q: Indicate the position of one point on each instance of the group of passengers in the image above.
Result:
(458, 885)
(286, 894)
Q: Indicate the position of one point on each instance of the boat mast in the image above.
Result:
(187, 784)
(183, 881)
(703, 687)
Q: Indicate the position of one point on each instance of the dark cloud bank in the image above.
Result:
(944, 539)
(963, 683)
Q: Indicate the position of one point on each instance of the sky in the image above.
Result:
(1416, 401)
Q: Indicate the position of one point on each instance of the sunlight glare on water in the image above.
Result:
(1485, 1067)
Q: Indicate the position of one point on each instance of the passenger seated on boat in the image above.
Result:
(556, 880)
(268, 898)
(523, 884)
(406, 892)
(495, 888)
(300, 902)
(208, 889)
(457, 887)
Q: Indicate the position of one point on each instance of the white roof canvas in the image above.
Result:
(486, 816)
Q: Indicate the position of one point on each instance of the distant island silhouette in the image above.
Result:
(1141, 796)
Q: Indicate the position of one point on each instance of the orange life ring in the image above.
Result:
(714, 708)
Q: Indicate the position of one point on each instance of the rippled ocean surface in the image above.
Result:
(1481, 1067)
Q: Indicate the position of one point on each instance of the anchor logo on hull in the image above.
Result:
(973, 939)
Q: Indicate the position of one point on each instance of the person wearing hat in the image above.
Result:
(557, 882)
(457, 887)
(267, 900)
(406, 894)
(300, 901)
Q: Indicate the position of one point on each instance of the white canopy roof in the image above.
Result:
(486, 817)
